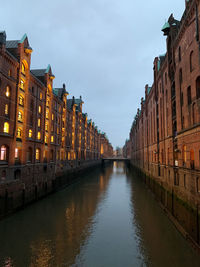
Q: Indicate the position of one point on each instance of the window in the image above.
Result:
(40, 95)
(52, 116)
(180, 76)
(189, 95)
(198, 87)
(30, 133)
(39, 122)
(46, 138)
(21, 100)
(51, 155)
(191, 61)
(39, 109)
(198, 184)
(192, 159)
(194, 113)
(47, 114)
(37, 154)
(9, 73)
(52, 139)
(179, 53)
(22, 85)
(7, 91)
(31, 119)
(4, 153)
(23, 69)
(38, 135)
(6, 127)
(16, 153)
(46, 126)
(20, 116)
(19, 132)
(184, 155)
(6, 109)
(29, 154)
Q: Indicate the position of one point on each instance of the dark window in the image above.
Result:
(180, 76)
(191, 61)
(198, 87)
(189, 95)
(179, 53)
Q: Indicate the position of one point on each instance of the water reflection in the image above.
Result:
(107, 219)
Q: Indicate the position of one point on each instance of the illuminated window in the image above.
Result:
(19, 132)
(39, 109)
(30, 133)
(22, 84)
(16, 153)
(6, 109)
(52, 139)
(37, 154)
(9, 73)
(39, 122)
(52, 116)
(47, 114)
(46, 126)
(20, 116)
(6, 127)
(7, 91)
(38, 135)
(57, 130)
(23, 69)
(45, 139)
(21, 100)
(4, 151)
(40, 95)
(184, 155)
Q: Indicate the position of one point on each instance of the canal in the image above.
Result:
(107, 219)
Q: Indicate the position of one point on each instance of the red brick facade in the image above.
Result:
(42, 133)
(165, 135)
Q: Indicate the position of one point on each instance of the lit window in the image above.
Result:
(22, 84)
(52, 116)
(23, 68)
(39, 122)
(46, 126)
(19, 132)
(39, 109)
(30, 133)
(20, 115)
(6, 127)
(52, 139)
(3, 153)
(38, 135)
(6, 109)
(7, 91)
(40, 95)
(21, 100)
(47, 114)
(37, 154)
(45, 138)
(9, 73)
(57, 130)
(16, 153)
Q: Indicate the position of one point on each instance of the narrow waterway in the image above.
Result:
(107, 219)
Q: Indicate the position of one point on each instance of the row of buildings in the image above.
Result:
(42, 132)
(165, 135)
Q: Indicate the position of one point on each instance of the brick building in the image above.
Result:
(165, 134)
(42, 133)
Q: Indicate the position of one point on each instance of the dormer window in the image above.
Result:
(21, 100)
(23, 69)
(22, 85)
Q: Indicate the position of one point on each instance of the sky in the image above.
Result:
(102, 50)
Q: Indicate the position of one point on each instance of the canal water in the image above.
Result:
(107, 219)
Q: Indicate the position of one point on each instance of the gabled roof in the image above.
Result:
(38, 72)
(12, 44)
(76, 101)
(59, 92)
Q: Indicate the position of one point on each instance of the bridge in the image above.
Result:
(116, 159)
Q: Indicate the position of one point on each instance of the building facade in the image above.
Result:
(42, 133)
(165, 134)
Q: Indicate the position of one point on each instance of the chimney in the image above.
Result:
(63, 85)
(2, 38)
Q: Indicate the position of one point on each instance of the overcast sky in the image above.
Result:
(102, 49)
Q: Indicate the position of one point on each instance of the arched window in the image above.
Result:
(52, 139)
(16, 153)
(189, 95)
(29, 154)
(21, 100)
(30, 133)
(46, 139)
(6, 127)
(184, 152)
(39, 122)
(191, 61)
(20, 116)
(37, 154)
(19, 132)
(39, 109)
(198, 87)
(6, 110)
(23, 69)
(4, 153)
(7, 91)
